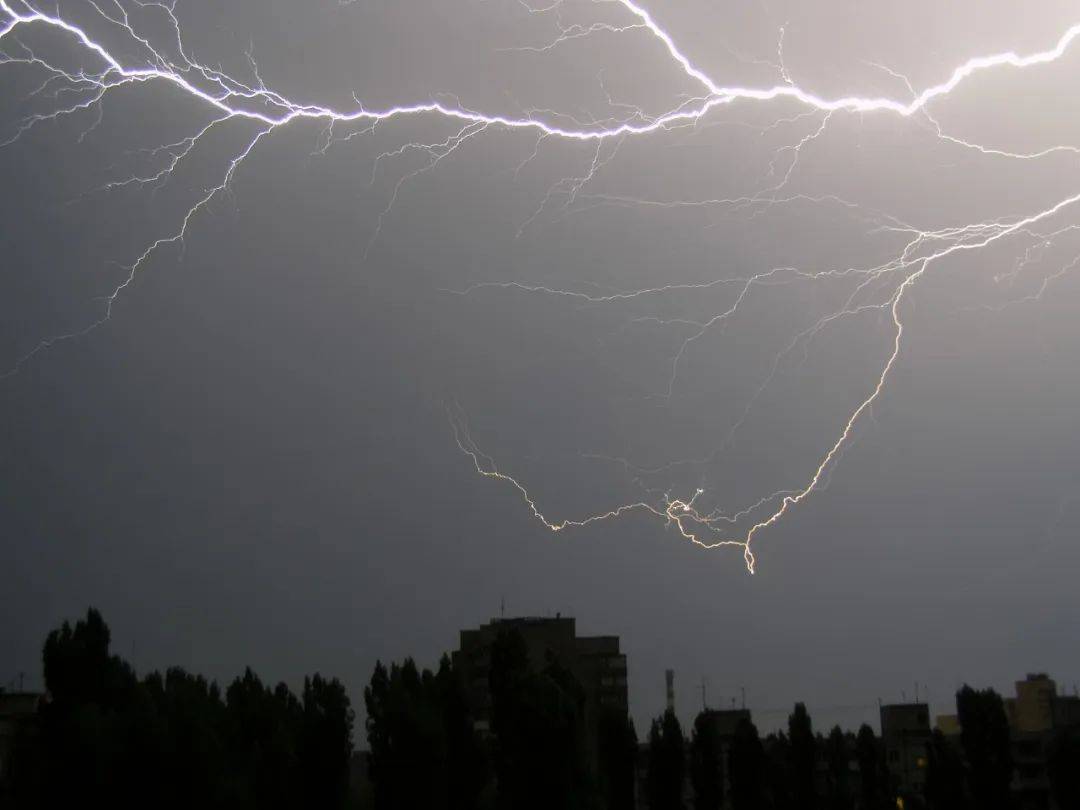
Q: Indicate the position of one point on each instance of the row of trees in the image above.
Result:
(107, 738)
(799, 770)
(748, 773)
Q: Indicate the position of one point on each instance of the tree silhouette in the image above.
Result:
(1063, 764)
(407, 738)
(803, 758)
(839, 796)
(666, 764)
(97, 740)
(985, 737)
(706, 764)
(617, 749)
(745, 767)
(192, 717)
(540, 756)
(871, 778)
(945, 775)
(325, 742)
(778, 771)
(467, 766)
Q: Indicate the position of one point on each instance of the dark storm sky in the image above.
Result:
(251, 462)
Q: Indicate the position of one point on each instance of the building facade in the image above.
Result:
(905, 738)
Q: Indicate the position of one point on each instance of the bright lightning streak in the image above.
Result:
(265, 110)
(232, 92)
(702, 529)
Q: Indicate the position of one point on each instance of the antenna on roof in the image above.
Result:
(502, 607)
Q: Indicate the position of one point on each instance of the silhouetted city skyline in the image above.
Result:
(524, 713)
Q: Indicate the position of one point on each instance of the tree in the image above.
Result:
(407, 738)
(1063, 764)
(945, 775)
(97, 745)
(262, 727)
(617, 754)
(871, 781)
(191, 713)
(325, 744)
(538, 719)
(745, 765)
(985, 738)
(666, 764)
(79, 668)
(778, 771)
(836, 758)
(706, 763)
(803, 758)
(467, 767)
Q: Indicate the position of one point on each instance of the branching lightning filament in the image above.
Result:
(252, 106)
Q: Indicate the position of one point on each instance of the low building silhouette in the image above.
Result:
(1032, 710)
(18, 718)
(905, 737)
(949, 726)
(1031, 719)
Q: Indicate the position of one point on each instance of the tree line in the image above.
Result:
(106, 737)
(801, 770)
(792, 770)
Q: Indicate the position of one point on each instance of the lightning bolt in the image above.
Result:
(260, 110)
